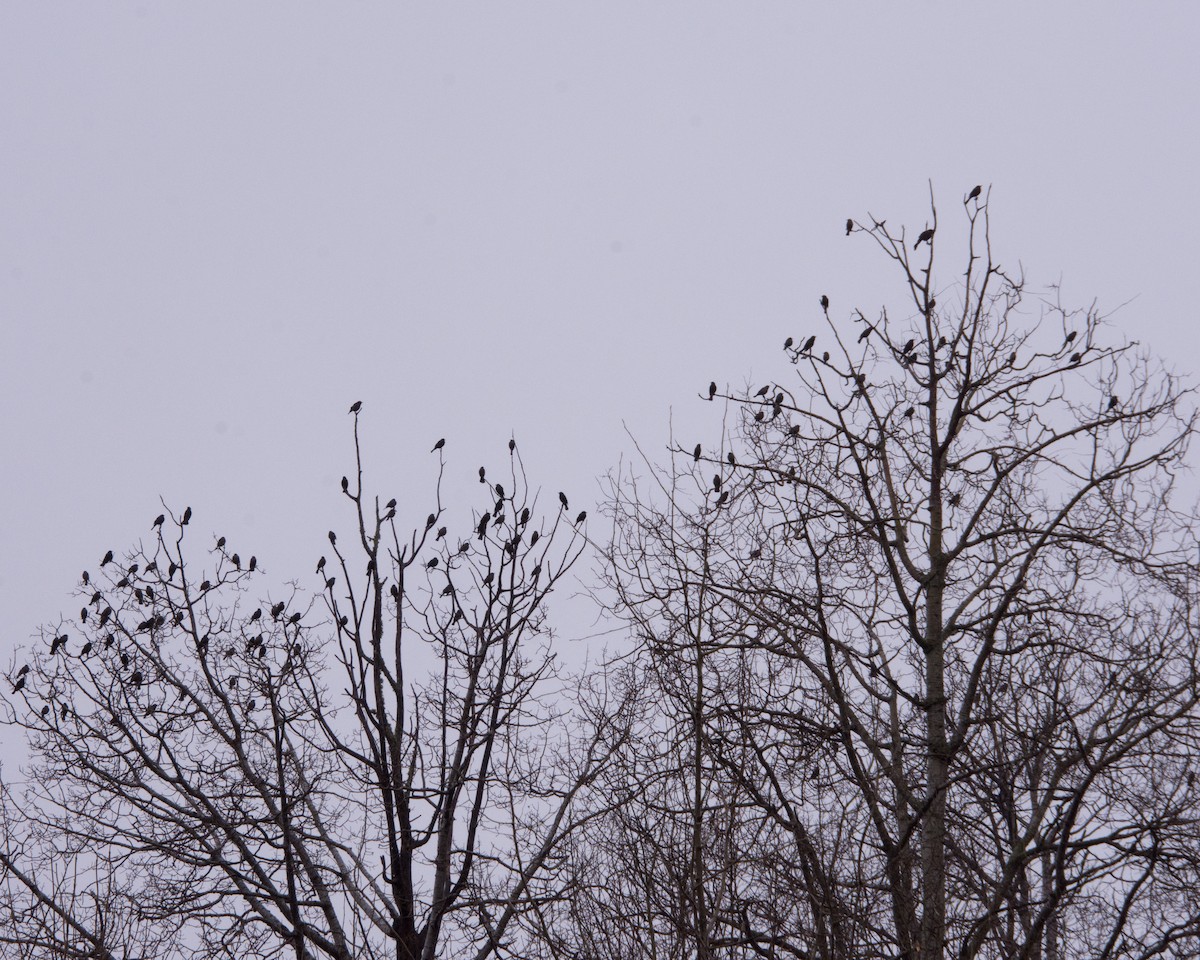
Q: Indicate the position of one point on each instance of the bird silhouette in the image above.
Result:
(447, 589)
(345, 484)
(562, 498)
(910, 411)
(1075, 358)
(187, 515)
(1070, 337)
(925, 237)
(83, 614)
(87, 578)
(787, 344)
(582, 516)
(57, 643)
(1112, 402)
(24, 670)
(512, 445)
(825, 357)
(294, 618)
(430, 521)
(717, 482)
(489, 578)
(849, 227)
(722, 498)
(46, 710)
(712, 390)
(107, 558)
(332, 538)
(908, 346)
(356, 406)
(808, 344)
(320, 565)
(863, 336)
(824, 302)
(19, 685)
(438, 446)
(763, 391)
(391, 504)
(731, 458)
(256, 615)
(136, 678)
(235, 559)
(86, 649)
(500, 491)
(696, 453)
(159, 520)
(431, 564)
(252, 564)
(440, 533)
(975, 192)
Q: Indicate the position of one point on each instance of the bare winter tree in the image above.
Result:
(927, 620)
(381, 771)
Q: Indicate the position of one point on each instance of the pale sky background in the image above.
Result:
(222, 223)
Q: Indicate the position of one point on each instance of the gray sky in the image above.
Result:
(221, 223)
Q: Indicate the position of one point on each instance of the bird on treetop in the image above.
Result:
(808, 344)
(582, 516)
(975, 192)
(863, 336)
(787, 344)
(356, 406)
(849, 227)
(187, 515)
(925, 237)
(482, 474)
(253, 563)
(824, 302)
(345, 484)
(763, 391)
(391, 504)
(107, 558)
(332, 537)
(430, 521)
(160, 520)
(712, 390)
(512, 445)
(438, 446)
(320, 565)
(562, 498)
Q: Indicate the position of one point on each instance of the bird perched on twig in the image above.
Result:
(849, 227)
(925, 237)
(356, 406)
(975, 192)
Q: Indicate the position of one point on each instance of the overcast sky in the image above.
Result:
(222, 223)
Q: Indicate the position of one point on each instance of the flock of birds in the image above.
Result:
(100, 617)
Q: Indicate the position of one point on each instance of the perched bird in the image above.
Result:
(696, 453)
(447, 589)
(86, 649)
(825, 357)
(763, 391)
(438, 446)
(910, 411)
(277, 610)
(440, 533)
(808, 344)
(107, 558)
(356, 406)
(430, 521)
(24, 670)
(755, 553)
(46, 710)
(722, 498)
(187, 515)
(787, 344)
(237, 561)
(1070, 337)
(525, 516)
(582, 516)
(123, 582)
(975, 192)
(731, 458)
(562, 498)
(1075, 358)
(482, 474)
(294, 618)
(489, 578)
(717, 482)
(431, 564)
(849, 227)
(159, 520)
(18, 685)
(712, 390)
(794, 430)
(133, 568)
(87, 578)
(909, 346)
(136, 678)
(253, 563)
(824, 302)
(863, 336)
(1112, 402)
(83, 614)
(500, 491)
(483, 522)
(220, 543)
(332, 538)
(925, 237)
(391, 504)
(257, 614)
(171, 568)
(534, 539)
(57, 643)
(206, 586)
(512, 445)
(345, 484)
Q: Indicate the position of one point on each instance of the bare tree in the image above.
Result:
(382, 770)
(939, 609)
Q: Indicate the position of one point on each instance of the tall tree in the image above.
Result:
(948, 558)
(379, 770)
